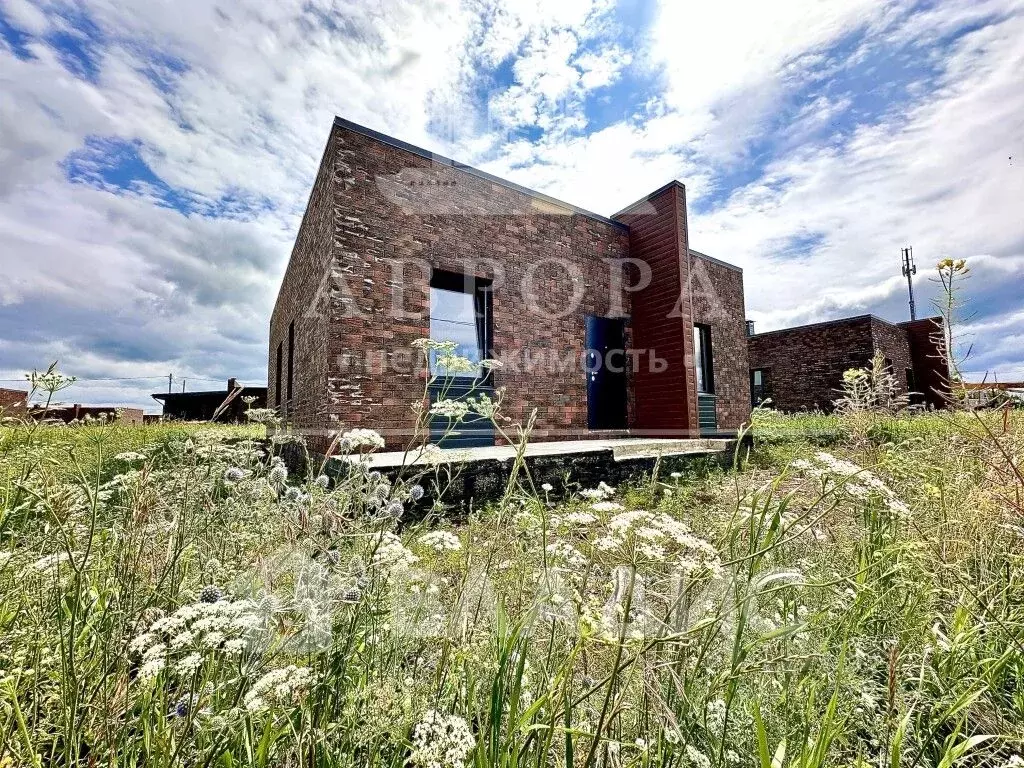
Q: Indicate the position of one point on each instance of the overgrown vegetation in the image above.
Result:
(171, 596)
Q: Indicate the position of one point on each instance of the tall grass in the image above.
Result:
(172, 597)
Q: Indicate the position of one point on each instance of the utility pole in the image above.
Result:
(183, 384)
(909, 270)
(170, 382)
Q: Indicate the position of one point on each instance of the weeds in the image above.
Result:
(173, 596)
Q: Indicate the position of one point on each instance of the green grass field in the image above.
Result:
(851, 595)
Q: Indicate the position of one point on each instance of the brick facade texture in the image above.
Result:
(716, 291)
(70, 413)
(380, 218)
(12, 399)
(804, 366)
(927, 352)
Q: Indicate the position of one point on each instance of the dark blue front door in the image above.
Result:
(606, 372)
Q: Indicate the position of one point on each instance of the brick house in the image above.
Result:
(12, 400)
(228, 405)
(802, 368)
(606, 326)
(77, 413)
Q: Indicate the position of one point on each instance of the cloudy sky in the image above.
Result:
(155, 156)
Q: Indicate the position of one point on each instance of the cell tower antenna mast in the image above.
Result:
(909, 270)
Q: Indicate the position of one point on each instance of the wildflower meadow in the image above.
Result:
(849, 593)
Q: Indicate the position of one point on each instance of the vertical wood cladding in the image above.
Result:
(716, 291)
(662, 321)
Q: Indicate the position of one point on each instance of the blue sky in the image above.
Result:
(155, 158)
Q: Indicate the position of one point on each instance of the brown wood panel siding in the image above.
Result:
(662, 322)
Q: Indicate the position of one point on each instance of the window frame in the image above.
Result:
(703, 358)
(483, 314)
(277, 377)
(762, 388)
(291, 360)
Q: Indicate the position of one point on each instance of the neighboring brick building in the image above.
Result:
(203, 405)
(12, 400)
(802, 368)
(591, 316)
(70, 413)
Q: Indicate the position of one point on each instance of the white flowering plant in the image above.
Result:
(183, 595)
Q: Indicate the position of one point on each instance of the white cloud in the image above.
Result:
(238, 100)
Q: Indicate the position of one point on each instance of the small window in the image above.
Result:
(758, 385)
(702, 358)
(277, 375)
(460, 312)
(291, 357)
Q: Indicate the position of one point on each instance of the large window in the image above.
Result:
(702, 358)
(460, 312)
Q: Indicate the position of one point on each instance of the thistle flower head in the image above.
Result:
(210, 594)
(278, 475)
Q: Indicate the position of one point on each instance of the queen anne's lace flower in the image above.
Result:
(603, 491)
(195, 631)
(854, 480)
(451, 409)
(356, 439)
(567, 554)
(441, 541)
(660, 537)
(278, 688)
(391, 553)
(130, 457)
(441, 741)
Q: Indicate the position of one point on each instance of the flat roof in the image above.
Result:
(840, 321)
(384, 138)
(713, 260)
(200, 393)
(442, 160)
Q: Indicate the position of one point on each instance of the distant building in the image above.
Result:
(802, 368)
(76, 412)
(992, 394)
(201, 406)
(12, 399)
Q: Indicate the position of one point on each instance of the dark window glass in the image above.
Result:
(291, 357)
(759, 385)
(277, 376)
(702, 358)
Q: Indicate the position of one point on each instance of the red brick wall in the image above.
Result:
(805, 365)
(891, 340)
(390, 207)
(304, 298)
(11, 399)
(661, 314)
(931, 368)
(716, 290)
